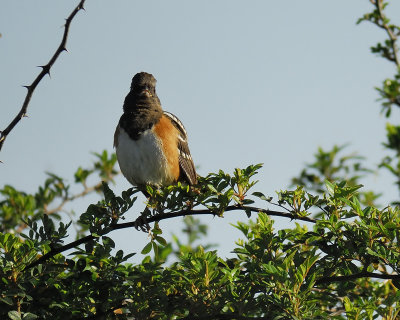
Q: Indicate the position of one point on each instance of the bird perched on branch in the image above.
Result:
(151, 144)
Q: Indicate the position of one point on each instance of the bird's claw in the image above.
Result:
(142, 224)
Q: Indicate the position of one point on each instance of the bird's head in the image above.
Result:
(144, 85)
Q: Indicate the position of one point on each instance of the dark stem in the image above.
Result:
(357, 276)
(164, 216)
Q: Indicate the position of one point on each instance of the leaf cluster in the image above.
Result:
(292, 273)
(18, 207)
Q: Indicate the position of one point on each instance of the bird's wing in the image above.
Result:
(185, 159)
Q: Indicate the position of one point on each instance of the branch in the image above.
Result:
(160, 217)
(225, 316)
(393, 38)
(221, 316)
(85, 191)
(358, 276)
(45, 70)
(164, 216)
(22, 226)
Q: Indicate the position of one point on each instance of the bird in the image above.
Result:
(151, 144)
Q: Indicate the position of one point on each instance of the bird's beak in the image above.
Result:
(147, 93)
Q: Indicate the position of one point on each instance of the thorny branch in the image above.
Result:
(45, 70)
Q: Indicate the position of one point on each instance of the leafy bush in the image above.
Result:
(340, 261)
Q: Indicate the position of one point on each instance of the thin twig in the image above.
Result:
(45, 70)
(86, 191)
(393, 38)
(160, 217)
(64, 201)
(357, 276)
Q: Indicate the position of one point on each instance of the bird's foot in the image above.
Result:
(141, 223)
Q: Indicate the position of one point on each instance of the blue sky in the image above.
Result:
(260, 81)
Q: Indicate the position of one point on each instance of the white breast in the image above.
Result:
(142, 161)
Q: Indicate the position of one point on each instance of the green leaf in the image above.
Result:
(262, 196)
(29, 316)
(107, 241)
(147, 248)
(108, 193)
(6, 300)
(330, 187)
(211, 188)
(14, 315)
(155, 248)
(161, 240)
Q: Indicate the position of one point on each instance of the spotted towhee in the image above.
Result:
(151, 144)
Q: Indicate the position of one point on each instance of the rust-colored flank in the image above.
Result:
(170, 144)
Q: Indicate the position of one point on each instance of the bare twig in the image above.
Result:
(164, 216)
(85, 191)
(45, 70)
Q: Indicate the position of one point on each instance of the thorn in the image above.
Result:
(46, 69)
(24, 115)
(64, 49)
(28, 87)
